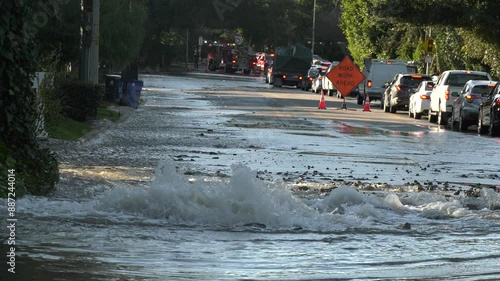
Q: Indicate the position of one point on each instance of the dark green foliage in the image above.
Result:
(466, 33)
(35, 168)
(79, 100)
(473, 15)
(60, 32)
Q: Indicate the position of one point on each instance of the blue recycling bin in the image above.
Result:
(139, 84)
(133, 95)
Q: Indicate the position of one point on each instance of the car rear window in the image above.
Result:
(459, 79)
(429, 86)
(481, 89)
(314, 72)
(413, 81)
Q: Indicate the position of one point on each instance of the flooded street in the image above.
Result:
(229, 179)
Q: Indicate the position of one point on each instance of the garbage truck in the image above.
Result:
(290, 65)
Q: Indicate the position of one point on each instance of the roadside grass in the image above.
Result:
(68, 129)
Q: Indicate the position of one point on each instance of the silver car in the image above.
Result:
(465, 107)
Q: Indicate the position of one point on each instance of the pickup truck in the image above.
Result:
(290, 66)
(450, 83)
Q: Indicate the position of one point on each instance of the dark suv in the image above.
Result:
(489, 113)
(397, 94)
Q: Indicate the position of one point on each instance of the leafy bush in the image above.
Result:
(79, 100)
(35, 168)
(52, 104)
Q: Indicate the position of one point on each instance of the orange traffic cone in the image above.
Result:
(367, 103)
(322, 104)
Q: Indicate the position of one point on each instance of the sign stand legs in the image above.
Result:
(344, 105)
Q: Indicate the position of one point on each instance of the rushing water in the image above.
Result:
(135, 212)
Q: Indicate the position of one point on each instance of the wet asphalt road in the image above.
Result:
(206, 124)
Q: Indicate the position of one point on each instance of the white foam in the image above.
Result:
(245, 199)
(491, 198)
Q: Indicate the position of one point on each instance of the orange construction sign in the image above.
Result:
(345, 76)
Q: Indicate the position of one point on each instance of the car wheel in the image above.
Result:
(453, 122)
(494, 131)
(417, 115)
(461, 124)
(386, 108)
(480, 128)
(392, 109)
(440, 118)
(360, 100)
(430, 117)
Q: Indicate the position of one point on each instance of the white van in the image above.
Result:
(377, 72)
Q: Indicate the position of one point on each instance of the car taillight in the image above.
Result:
(254, 63)
(447, 95)
(425, 97)
(234, 62)
(470, 97)
(284, 76)
(321, 78)
(498, 101)
(300, 77)
(310, 79)
(399, 87)
(369, 83)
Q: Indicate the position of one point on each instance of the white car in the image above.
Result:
(420, 100)
(317, 84)
(328, 86)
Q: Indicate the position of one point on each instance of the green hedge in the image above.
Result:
(79, 100)
(35, 168)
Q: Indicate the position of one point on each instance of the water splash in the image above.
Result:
(244, 199)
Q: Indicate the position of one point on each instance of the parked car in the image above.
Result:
(398, 91)
(328, 86)
(353, 93)
(465, 107)
(317, 84)
(377, 73)
(420, 100)
(450, 82)
(489, 113)
(313, 72)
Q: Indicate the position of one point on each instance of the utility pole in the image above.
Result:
(314, 27)
(89, 50)
(94, 46)
(187, 49)
(428, 57)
